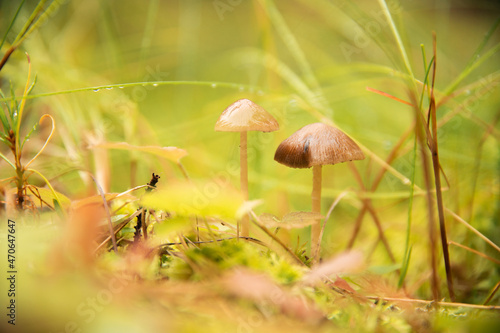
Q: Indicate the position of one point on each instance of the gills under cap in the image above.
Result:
(244, 115)
(317, 144)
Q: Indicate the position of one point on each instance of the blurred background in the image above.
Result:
(304, 62)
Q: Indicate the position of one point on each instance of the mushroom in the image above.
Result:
(313, 146)
(243, 116)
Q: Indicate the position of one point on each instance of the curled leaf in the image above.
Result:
(46, 195)
(173, 154)
(46, 141)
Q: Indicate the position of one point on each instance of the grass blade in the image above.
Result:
(12, 22)
(296, 51)
(399, 41)
(7, 160)
(475, 60)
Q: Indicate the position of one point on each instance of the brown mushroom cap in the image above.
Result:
(317, 144)
(244, 115)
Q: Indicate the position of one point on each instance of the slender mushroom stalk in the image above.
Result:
(245, 222)
(243, 116)
(316, 207)
(313, 146)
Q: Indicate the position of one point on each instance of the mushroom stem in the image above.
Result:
(245, 222)
(316, 208)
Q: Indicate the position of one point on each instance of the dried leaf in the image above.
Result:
(173, 154)
(294, 220)
(300, 219)
(47, 196)
(341, 283)
(97, 199)
(269, 220)
(344, 263)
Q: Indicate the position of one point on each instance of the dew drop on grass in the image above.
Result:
(155, 84)
(121, 87)
(213, 85)
(96, 90)
(109, 88)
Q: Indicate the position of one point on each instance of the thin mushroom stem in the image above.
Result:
(245, 222)
(316, 208)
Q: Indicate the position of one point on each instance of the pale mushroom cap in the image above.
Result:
(244, 115)
(317, 144)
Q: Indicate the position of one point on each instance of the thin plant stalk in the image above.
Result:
(421, 137)
(378, 179)
(369, 207)
(106, 208)
(475, 252)
(316, 208)
(493, 292)
(447, 304)
(408, 248)
(437, 180)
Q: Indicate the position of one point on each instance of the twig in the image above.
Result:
(106, 208)
(421, 301)
(474, 230)
(250, 239)
(476, 252)
(493, 292)
(141, 218)
(367, 203)
(378, 179)
(437, 177)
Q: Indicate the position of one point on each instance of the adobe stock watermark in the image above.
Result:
(365, 32)
(89, 308)
(223, 6)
